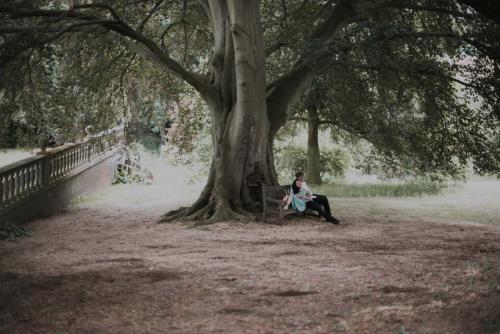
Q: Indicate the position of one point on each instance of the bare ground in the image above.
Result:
(103, 268)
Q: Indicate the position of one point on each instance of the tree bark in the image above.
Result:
(313, 170)
(240, 132)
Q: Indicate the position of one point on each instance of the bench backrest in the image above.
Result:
(274, 192)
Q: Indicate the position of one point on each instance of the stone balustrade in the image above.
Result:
(29, 176)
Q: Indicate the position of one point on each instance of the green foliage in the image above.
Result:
(397, 87)
(93, 80)
(132, 174)
(407, 189)
(11, 232)
(420, 85)
(61, 92)
(334, 163)
(189, 139)
(191, 122)
(289, 26)
(390, 166)
(132, 169)
(151, 143)
(290, 159)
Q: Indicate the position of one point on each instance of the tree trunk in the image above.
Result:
(313, 171)
(241, 158)
(243, 129)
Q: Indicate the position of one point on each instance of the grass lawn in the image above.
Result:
(407, 189)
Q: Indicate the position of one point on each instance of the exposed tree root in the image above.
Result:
(212, 212)
(224, 212)
(183, 212)
(174, 214)
(202, 214)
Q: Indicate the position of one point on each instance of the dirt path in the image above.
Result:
(105, 268)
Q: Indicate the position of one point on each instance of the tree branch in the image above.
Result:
(102, 6)
(435, 9)
(284, 90)
(403, 68)
(150, 14)
(35, 28)
(144, 45)
(283, 4)
(466, 38)
(275, 47)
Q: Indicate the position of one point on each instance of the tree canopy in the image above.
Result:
(418, 79)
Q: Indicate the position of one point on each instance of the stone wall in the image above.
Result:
(93, 177)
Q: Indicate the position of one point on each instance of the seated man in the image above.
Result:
(304, 198)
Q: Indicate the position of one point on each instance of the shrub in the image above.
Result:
(11, 232)
(132, 169)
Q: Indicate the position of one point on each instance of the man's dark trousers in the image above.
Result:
(323, 201)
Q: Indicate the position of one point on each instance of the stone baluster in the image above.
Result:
(46, 171)
(32, 175)
(52, 168)
(3, 188)
(64, 157)
(73, 158)
(27, 178)
(20, 181)
(81, 154)
(39, 182)
(78, 151)
(63, 163)
(59, 165)
(10, 186)
(68, 161)
(36, 176)
(15, 177)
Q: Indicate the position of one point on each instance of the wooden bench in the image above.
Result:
(272, 197)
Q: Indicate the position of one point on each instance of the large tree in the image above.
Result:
(229, 69)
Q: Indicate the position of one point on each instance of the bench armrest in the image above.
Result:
(273, 200)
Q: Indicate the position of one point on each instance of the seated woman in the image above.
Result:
(302, 198)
